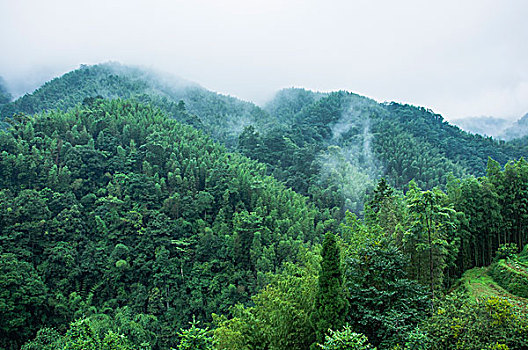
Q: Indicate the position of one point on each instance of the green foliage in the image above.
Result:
(523, 256)
(240, 332)
(22, 300)
(330, 303)
(355, 235)
(460, 324)
(430, 240)
(382, 194)
(385, 211)
(123, 331)
(384, 303)
(511, 184)
(477, 284)
(491, 212)
(479, 220)
(46, 339)
(82, 334)
(512, 276)
(416, 339)
(345, 339)
(114, 205)
(195, 338)
(280, 318)
(507, 251)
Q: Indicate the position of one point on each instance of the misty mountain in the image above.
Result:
(120, 225)
(485, 126)
(288, 102)
(221, 116)
(332, 147)
(498, 128)
(5, 96)
(517, 130)
(338, 146)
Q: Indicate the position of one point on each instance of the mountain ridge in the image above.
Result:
(332, 147)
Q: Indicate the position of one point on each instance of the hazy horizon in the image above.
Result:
(460, 59)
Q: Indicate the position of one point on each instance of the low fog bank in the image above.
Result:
(350, 164)
(20, 82)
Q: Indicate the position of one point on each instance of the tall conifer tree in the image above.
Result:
(330, 302)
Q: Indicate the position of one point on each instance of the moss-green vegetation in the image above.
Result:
(512, 275)
(523, 255)
(459, 323)
(477, 314)
(479, 284)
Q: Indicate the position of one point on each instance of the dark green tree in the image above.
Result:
(46, 339)
(384, 303)
(430, 241)
(22, 301)
(245, 226)
(330, 301)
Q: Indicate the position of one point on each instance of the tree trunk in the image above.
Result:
(431, 264)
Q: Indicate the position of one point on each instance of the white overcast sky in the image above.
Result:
(459, 58)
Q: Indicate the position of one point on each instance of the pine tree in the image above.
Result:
(195, 338)
(330, 302)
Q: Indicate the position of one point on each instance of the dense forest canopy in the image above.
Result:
(133, 217)
(337, 148)
(221, 116)
(123, 207)
(332, 147)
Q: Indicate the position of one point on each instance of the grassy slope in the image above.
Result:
(478, 284)
(512, 275)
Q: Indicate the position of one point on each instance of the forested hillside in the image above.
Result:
(137, 223)
(331, 147)
(114, 208)
(339, 145)
(221, 116)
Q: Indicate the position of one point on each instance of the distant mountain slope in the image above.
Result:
(495, 127)
(519, 129)
(5, 96)
(336, 147)
(470, 151)
(221, 116)
(485, 126)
